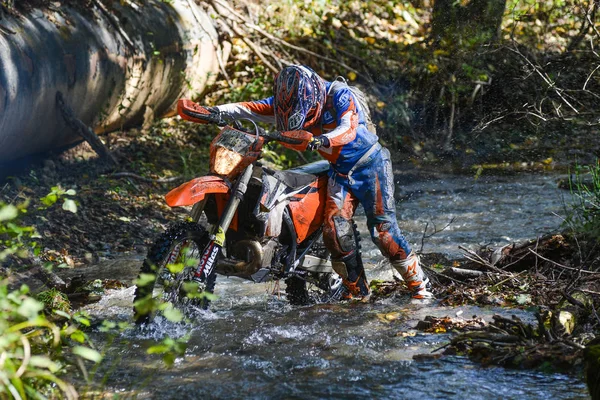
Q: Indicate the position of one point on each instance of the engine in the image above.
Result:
(248, 256)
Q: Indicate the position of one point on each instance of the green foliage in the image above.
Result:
(152, 305)
(258, 86)
(57, 193)
(439, 91)
(54, 299)
(170, 349)
(14, 237)
(18, 239)
(584, 215)
(34, 350)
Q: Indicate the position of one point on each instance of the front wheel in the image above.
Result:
(165, 276)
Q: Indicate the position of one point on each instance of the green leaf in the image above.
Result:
(30, 308)
(158, 349)
(82, 320)
(145, 279)
(71, 192)
(43, 362)
(124, 325)
(78, 336)
(169, 359)
(175, 268)
(62, 314)
(107, 326)
(173, 314)
(87, 353)
(49, 199)
(8, 212)
(70, 205)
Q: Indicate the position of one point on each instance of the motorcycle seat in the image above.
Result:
(294, 180)
(317, 168)
(304, 175)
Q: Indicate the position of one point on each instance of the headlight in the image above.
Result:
(225, 161)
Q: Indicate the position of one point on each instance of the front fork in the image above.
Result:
(217, 236)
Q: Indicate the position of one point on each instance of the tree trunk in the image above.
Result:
(110, 63)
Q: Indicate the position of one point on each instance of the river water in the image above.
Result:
(251, 344)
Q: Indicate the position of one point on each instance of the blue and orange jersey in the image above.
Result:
(342, 122)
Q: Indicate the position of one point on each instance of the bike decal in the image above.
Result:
(308, 190)
(207, 262)
(220, 237)
(174, 255)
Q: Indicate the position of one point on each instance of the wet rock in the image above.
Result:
(125, 270)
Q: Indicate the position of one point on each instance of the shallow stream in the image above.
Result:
(253, 345)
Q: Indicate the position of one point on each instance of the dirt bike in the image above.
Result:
(266, 224)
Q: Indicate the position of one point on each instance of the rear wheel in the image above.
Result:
(311, 287)
(295, 289)
(165, 276)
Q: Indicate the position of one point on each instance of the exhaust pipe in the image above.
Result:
(243, 269)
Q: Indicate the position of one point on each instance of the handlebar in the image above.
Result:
(194, 112)
(208, 117)
(222, 119)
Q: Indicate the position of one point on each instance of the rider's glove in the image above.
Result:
(214, 112)
(194, 112)
(317, 142)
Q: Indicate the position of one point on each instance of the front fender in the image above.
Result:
(195, 190)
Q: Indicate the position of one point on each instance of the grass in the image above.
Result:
(585, 190)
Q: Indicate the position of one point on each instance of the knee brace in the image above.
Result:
(344, 234)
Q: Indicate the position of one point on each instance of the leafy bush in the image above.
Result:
(14, 236)
(585, 190)
(34, 351)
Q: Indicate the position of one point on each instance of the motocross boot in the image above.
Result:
(352, 271)
(413, 275)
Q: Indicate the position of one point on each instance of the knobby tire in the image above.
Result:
(156, 260)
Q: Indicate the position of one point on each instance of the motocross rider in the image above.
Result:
(360, 171)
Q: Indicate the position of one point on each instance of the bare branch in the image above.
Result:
(589, 77)
(237, 17)
(478, 259)
(564, 266)
(545, 78)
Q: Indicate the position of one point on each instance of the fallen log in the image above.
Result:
(110, 60)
